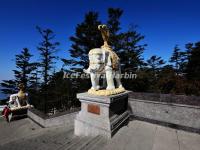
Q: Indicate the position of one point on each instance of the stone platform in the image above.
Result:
(101, 115)
(138, 135)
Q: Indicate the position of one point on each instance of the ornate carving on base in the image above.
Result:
(106, 92)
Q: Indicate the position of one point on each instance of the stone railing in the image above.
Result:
(166, 109)
(64, 118)
(162, 109)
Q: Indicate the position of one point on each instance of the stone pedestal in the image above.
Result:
(101, 115)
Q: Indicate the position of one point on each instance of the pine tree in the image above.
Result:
(47, 48)
(125, 44)
(132, 50)
(175, 57)
(179, 59)
(87, 37)
(22, 73)
(8, 86)
(113, 24)
(193, 67)
(188, 47)
(34, 79)
(155, 63)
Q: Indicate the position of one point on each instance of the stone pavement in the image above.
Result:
(140, 135)
(26, 135)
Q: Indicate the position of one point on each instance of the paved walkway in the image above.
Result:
(138, 135)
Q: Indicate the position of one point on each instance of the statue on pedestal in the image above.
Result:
(19, 99)
(104, 61)
(17, 105)
(103, 109)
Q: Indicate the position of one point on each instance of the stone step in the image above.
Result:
(136, 135)
(91, 143)
(44, 140)
(95, 144)
(56, 140)
(20, 129)
(69, 144)
(83, 142)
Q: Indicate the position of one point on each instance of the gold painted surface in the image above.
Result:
(105, 35)
(20, 108)
(115, 60)
(106, 92)
(21, 94)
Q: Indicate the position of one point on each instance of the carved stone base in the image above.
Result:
(106, 92)
(101, 115)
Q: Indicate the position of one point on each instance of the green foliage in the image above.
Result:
(141, 83)
(22, 73)
(182, 76)
(8, 86)
(126, 44)
(165, 79)
(193, 68)
(179, 60)
(34, 80)
(131, 50)
(59, 94)
(113, 24)
(155, 63)
(24, 67)
(47, 47)
(86, 37)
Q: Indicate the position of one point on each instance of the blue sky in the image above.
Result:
(164, 24)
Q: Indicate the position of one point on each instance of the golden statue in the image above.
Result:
(19, 99)
(18, 103)
(105, 35)
(21, 94)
